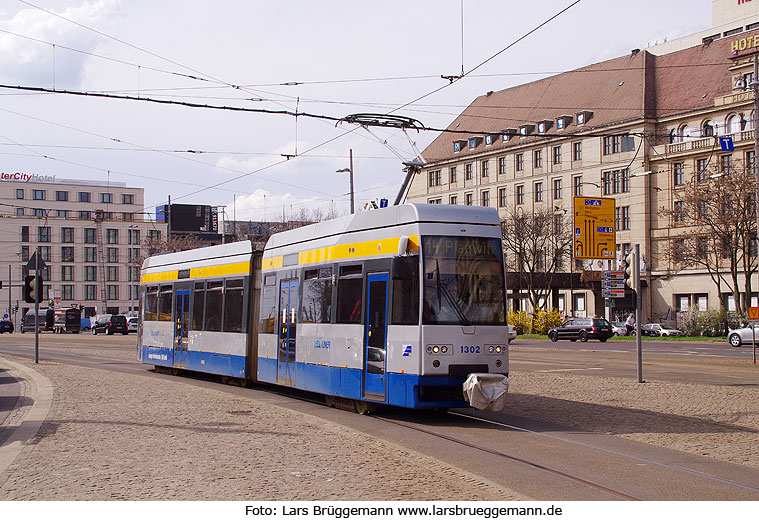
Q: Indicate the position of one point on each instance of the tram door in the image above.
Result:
(375, 352)
(288, 307)
(181, 326)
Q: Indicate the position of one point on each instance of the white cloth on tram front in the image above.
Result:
(486, 391)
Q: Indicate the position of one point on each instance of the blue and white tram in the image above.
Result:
(393, 306)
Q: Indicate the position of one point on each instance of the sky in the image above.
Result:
(332, 58)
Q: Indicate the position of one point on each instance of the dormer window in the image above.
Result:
(474, 142)
(544, 126)
(563, 121)
(526, 129)
(458, 145)
(508, 133)
(583, 117)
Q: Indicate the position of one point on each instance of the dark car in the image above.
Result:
(6, 326)
(582, 329)
(111, 324)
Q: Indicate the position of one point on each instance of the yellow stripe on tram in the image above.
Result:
(212, 271)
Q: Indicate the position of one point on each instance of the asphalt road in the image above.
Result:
(650, 345)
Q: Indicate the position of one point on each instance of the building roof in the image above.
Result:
(624, 89)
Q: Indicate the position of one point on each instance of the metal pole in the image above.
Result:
(10, 287)
(755, 83)
(353, 203)
(638, 338)
(37, 293)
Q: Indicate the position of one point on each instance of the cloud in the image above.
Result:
(27, 61)
(262, 205)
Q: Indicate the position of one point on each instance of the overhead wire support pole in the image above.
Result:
(638, 338)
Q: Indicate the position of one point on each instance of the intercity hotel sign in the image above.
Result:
(26, 178)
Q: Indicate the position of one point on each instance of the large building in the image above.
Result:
(89, 234)
(538, 145)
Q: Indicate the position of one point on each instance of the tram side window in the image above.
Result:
(317, 295)
(349, 288)
(233, 305)
(151, 304)
(406, 291)
(268, 305)
(199, 301)
(164, 303)
(214, 304)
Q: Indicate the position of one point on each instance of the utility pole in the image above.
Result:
(168, 222)
(755, 167)
(353, 203)
(638, 302)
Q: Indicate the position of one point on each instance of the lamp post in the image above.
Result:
(350, 170)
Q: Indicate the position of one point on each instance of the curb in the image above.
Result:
(28, 428)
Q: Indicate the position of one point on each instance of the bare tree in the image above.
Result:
(715, 214)
(537, 244)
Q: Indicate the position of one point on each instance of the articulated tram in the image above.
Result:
(392, 306)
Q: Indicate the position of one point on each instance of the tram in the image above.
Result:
(395, 306)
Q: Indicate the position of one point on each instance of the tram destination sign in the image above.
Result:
(595, 235)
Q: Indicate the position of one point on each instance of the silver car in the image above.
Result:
(738, 337)
(663, 330)
(512, 333)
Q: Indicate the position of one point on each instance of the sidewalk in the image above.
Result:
(119, 436)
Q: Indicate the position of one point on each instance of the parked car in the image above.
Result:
(111, 324)
(619, 328)
(582, 329)
(738, 337)
(662, 330)
(512, 333)
(46, 321)
(133, 323)
(6, 326)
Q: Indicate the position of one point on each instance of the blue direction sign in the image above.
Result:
(726, 144)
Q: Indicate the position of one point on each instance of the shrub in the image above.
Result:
(545, 319)
(520, 320)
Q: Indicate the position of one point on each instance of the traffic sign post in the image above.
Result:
(594, 228)
(36, 264)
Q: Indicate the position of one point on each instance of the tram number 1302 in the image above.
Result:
(470, 349)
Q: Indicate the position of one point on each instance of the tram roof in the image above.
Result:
(367, 220)
(239, 248)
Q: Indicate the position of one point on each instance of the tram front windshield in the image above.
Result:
(463, 281)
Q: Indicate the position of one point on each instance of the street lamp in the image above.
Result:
(349, 170)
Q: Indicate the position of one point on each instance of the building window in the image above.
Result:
(89, 235)
(62, 213)
(468, 199)
(557, 188)
(538, 158)
(750, 161)
(622, 218)
(90, 292)
(127, 216)
(61, 195)
(434, 177)
(19, 193)
(38, 212)
(67, 235)
(485, 168)
(520, 194)
(90, 254)
(154, 236)
(485, 198)
(434, 201)
(112, 255)
(133, 237)
(67, 273)
(727, 165)
(557, 155)
(577, 151)
(112, 273)
(679, 173)
(84, 197)
(113, 292)
(127, 199)
(44, 253)
(539, 192)
(106, 197)
(679, 209)
(24, 234)
(501, 165)
(90, 273)
(19, 211)
(43, 234)
(453, 200)
(38, 195)
(67, 254)
(577, 185)
(468, 172)
(67, 292)
(519, 162)
(501, 198)
(111, 236)
(452, 174)
(615, 182)
(84, 214)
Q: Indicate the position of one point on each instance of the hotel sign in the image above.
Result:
(26, 178)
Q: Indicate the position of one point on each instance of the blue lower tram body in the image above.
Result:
(403, 390)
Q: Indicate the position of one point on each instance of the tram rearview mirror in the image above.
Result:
(402, 245)
(396, 268)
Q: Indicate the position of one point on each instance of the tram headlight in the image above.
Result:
(491, 349)
(438, 349)
(498, 349)
(444, 349)
(435, 349)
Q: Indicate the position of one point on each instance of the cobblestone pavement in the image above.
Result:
(115, 436)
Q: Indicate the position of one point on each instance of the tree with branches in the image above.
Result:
(537, 245)
(715, 220)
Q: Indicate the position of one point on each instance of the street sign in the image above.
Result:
(753, 313)
(613, 293)
(595, 233)
(615, 274)
(726, 144)
(36, 263)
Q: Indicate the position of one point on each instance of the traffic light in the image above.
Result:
(630, 270)
(32, 288)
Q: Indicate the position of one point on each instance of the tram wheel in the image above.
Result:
(329, 400)
(362, 407)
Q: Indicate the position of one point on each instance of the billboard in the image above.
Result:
(190, 218)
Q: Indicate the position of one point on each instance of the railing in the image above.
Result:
(707, 143)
